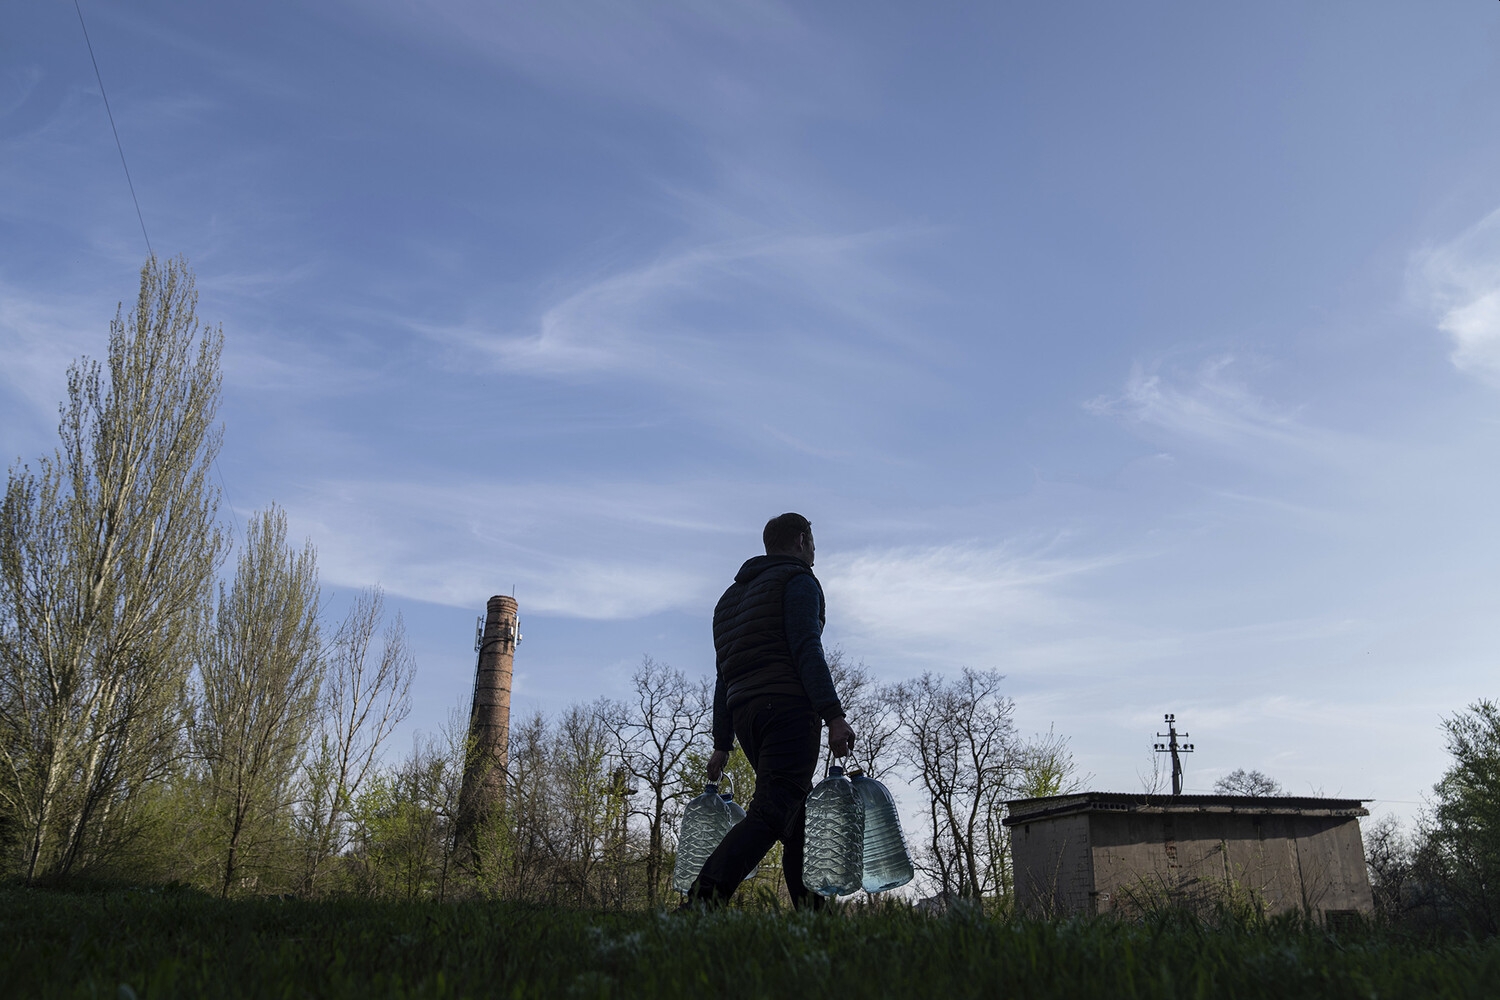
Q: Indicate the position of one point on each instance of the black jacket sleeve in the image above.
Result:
(723, 724)
(803, 610)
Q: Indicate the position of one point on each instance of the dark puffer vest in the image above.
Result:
(750, 630)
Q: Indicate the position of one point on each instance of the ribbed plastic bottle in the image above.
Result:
(735, 812)
(834, 857)
(705, 821)
(887, 864)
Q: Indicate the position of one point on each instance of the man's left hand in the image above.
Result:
(840, 737)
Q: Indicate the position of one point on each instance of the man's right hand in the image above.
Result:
(840, 737)
(716, 762)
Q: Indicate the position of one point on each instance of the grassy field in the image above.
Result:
(150, 944)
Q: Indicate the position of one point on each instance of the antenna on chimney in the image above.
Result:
(1174, 748)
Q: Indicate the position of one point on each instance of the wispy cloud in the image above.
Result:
(601, 551)
(701, 62)
(965, 601)
(1206, 403)
(1461, 281)
(40, 337)
(650, 320)
(17, 84)
(1208, 407)
(256, 363)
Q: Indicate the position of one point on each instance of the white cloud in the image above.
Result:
(645, 321)
(1208, 407)
(966, 601)
(1206, 403)
(596, 328)
(1461, 281)
(39, 338)
(598, 551)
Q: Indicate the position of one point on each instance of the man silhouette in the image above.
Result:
(773, 692)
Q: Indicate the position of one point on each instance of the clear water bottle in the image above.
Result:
(705, 821)
(887, 864)
(834, 857)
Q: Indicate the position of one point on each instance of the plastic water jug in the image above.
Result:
(705, 821)
(834, 857)
(735, 812)
(887, 864)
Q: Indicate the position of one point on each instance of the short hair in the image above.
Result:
(782, 531)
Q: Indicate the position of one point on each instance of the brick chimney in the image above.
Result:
(489, 720)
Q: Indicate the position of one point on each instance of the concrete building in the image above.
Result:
(1108, 852)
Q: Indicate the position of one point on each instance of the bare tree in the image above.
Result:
(513, 857)
(1154, 783)
(1243, 782)
(1390, 856)
(107, 556)
(872, 711)
(260, 672)
(655, 733)
(583, 812)
(1048, 768)
(366, 694)
(958, 739)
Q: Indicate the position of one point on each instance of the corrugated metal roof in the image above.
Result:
(1022, 811)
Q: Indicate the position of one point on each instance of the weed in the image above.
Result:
(117, 942)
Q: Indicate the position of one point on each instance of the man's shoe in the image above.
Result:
(702, 896)
(810, 901)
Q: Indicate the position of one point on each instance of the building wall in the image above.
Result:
(1273, 862)
(1138, 859)
(1054, 866)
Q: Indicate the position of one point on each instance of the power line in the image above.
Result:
(218, 472)
(100, 77)
(136, 201)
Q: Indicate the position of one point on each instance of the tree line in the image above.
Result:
(1444, 871)
(594, 795)
(154, 719)
(159, 722)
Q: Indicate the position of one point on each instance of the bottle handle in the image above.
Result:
(850, 764)
(848, 758)
(726, 778)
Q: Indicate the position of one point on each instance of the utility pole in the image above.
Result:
(1174, 748)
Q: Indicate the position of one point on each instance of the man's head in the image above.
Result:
(789, 535)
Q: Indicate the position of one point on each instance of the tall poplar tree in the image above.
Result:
(261, 672)
(108, 548)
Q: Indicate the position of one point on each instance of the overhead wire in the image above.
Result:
(118, 145)
(139, 215)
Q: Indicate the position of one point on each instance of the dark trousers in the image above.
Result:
(781, 735)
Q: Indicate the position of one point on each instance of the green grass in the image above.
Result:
(149, 944)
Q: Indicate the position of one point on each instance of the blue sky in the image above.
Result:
(1147, 353)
